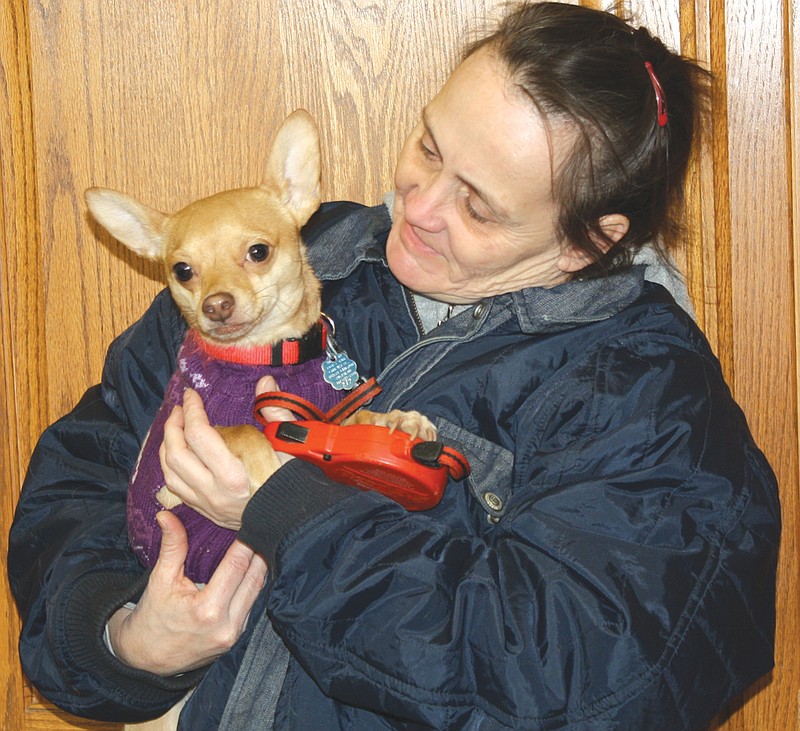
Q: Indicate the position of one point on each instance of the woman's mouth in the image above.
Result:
(412, 241)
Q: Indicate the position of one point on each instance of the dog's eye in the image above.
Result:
(257, 253)
(183, 272)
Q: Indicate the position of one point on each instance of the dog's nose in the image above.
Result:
(219, 306)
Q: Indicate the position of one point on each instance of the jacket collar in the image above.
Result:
(575, 303)
(354, 236)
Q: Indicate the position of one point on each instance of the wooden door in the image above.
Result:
(170, 100)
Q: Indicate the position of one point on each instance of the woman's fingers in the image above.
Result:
(180, 464)
(237, 581)
(199, 467)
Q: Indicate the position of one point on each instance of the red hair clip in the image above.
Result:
(661, 97)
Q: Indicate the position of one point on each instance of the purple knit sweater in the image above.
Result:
(228, 390)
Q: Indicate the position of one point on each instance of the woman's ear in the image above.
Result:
(613, 225)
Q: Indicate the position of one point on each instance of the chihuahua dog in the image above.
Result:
(237, 269)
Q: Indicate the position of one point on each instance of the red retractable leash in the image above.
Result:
(411, 471)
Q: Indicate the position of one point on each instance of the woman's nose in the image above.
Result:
(425, 203)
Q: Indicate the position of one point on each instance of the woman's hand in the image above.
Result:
(274, 413)
(177, 626)
(199, 468)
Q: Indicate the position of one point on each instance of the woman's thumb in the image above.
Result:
(272, 413)
(174, 546)
(266, 383)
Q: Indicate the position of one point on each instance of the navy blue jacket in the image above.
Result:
(610, 563)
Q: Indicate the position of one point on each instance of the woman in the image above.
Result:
(609, 564)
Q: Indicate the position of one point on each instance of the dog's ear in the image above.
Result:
(134, 224)
(293, 166)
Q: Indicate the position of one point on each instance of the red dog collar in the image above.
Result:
(285, 352)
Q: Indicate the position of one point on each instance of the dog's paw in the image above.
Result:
(411, 422)
(168, 498)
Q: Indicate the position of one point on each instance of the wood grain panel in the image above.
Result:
(708, 220)
(764, 354)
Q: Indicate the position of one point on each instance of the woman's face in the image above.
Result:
(474, 214)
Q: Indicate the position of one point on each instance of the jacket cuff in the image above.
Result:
(297, 492)
(90, 602)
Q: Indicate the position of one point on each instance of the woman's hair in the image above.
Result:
(591, 68)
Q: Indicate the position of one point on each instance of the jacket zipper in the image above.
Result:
(412, 305)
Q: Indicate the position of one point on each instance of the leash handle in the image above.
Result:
(415, 462)
(410, 471)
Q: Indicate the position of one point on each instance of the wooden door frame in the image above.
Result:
(21, 408)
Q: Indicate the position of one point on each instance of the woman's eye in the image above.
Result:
(474, 214)
(182, 271)
(257, 253)
(426, 151)
(466, 198)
